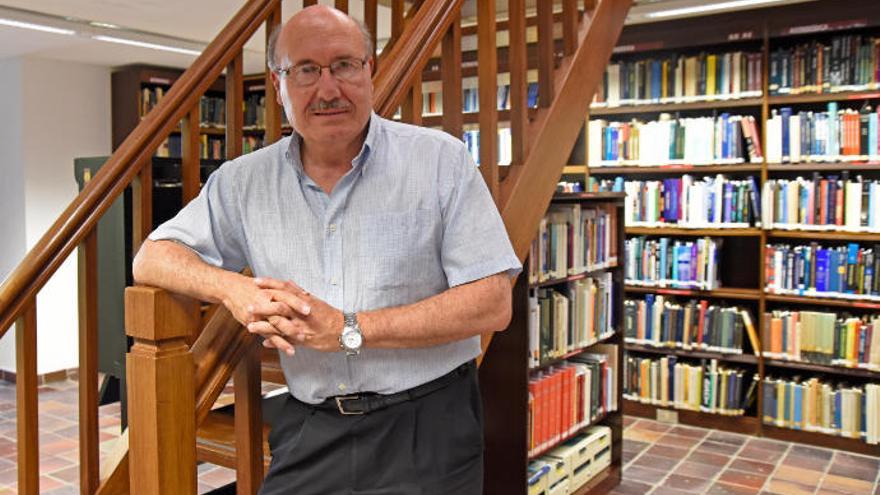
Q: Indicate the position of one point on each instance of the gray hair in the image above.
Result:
(272, 62)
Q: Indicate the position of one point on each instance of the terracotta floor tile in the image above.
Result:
(857, 460)
(750, 466)
(69, 475)
(813, 452)
(697, 470)
(839, 484)
(677, 441)
(642, 435)
(728, 489)
(855, 472)
(788, 487)
(805, 462)
(643, 474)
(665, 451)
(628, 457)
(656, 462)
(64, 490)
(728, 438)
(628, 420)
(630, 487)
(708, 458)
(687, 431)
(760, 454)
(51, 463)
(652, 426)
(769, 445)
(665, 490)
(8, 476)
(218, 477)
(742, 478)
(686, 483)
(717, 448)
(798, 475)
(634, 445)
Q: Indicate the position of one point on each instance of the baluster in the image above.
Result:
(161, 394)
(546, 61)
(342, 5)
(453, 112)
(589, 7)
(190, 151)
(273, 116)
(88, 363)
(142, 199)
(413, 103)
(234, 111)
(248, 424)
(518, 63)
(569, 26)
(370, 19)
(487, 74)
(26, 399)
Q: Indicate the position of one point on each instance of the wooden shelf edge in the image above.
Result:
(673, 169)
(671, 107)
(677, 231)
(823, 97)
(748, 425)
(722, 293)
(573, 278)
(822, 166)
(696, 354)
(821, 301)
(821, 368)
(824, 235)
(550, 362)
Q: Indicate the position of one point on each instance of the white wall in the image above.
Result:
(12, 228)
(65, 115)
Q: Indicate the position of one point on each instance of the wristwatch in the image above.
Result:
(351, 338)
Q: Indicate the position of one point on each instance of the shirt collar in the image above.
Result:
(360, 161)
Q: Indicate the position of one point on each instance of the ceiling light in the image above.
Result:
(709, 8)
(143, 44)
(35, 27)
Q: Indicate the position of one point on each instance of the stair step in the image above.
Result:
(215, 440)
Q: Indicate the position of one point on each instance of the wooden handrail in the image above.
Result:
(82, 215)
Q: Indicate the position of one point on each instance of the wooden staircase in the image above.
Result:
(159, 451)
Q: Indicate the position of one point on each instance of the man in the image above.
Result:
(397, 260)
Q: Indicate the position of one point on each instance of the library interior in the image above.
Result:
(691, 188)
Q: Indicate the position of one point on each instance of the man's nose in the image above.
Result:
(327, 84)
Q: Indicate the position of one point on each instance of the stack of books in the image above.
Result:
(666, 262)
(822, 338)
(846, 63)
(833, 203)
(830, 136)
(839, 272)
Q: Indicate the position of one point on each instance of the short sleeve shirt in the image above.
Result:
(412, 218)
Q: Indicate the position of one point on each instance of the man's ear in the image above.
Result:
(276, 81)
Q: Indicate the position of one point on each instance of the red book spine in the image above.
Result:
(704, 305)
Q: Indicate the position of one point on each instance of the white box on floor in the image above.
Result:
(539, 475)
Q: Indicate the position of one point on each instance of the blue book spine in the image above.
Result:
(649, 311)
(656, 79)
(728, 202)
(852, 262)
(822, 270)
(837, 411)
(798, 406)
(725, 135)
(618, 184)
(676, 259)
(664, 258)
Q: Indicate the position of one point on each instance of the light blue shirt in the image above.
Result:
(412, 218)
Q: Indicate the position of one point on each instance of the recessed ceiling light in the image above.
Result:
(699, 9)
(36, 27)
(144, 44)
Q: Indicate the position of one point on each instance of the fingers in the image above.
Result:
(271, 283)
(277, 342)
(281, 327)
(294, 302)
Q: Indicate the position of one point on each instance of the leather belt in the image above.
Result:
(366, 403)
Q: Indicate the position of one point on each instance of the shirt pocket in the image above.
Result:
(396, 248)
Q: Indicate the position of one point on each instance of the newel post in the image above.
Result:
(161, 395)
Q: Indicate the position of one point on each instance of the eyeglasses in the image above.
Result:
(344, 69)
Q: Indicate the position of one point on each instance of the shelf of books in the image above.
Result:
(750, 160)
(556, 373)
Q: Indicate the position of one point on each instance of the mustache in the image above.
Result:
(334, 104)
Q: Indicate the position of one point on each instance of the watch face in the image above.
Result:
(352, 339)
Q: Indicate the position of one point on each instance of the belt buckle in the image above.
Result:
(339, 404)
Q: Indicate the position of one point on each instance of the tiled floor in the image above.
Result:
(658, 458)
(661, 459)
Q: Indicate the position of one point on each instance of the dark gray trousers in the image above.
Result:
(431, 445)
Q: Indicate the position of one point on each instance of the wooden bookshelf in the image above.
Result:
(556, 360)
(472, 118)
(504, 378)
(742, 254)
(600, 111)
(675, 169)
(824, 235)
(572, 278)
(749, 359)
(719, 293)
(678, 231)
(748, 425)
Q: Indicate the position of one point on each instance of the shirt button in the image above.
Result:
(333, 281)
(341, 386)
(332, 227)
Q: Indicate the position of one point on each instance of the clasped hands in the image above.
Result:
(286, 316)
